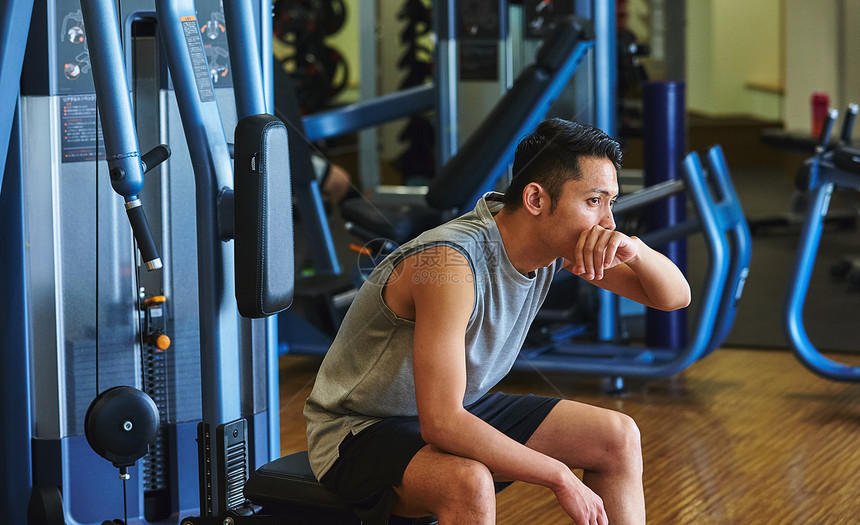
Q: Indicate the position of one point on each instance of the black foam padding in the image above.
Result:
(289, 481)
(265, 274)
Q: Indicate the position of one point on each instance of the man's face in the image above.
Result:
(584, 203)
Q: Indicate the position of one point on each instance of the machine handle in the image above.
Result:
(848, 124)
(826, 129)
(154, 157)
(140, 228)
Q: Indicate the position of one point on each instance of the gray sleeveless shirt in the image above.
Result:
(367, 373)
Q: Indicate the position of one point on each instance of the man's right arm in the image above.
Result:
(443, 297)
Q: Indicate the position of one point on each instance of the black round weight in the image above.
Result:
(335, 16)
(120, 424)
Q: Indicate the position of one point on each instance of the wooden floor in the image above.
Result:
(740, 437)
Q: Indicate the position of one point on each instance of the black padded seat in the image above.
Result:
(266, 487)
(395, 222)
(305, 501)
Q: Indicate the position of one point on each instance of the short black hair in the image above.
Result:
(550, 157)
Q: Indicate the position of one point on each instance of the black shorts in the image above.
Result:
(373, 461)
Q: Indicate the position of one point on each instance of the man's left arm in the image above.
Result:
(628, 267)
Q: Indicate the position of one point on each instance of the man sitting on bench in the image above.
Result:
(401, 419)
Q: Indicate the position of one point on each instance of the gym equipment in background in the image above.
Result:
(318, 70)
(480, 50)
(417, 161)
(486, 156)
(805, 144)
(832, 167)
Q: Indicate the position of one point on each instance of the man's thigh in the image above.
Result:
(427, 481)
(429, 473)
(578, 434)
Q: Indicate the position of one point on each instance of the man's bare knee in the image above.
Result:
(460, 490)
(470, 489)
(623, 446)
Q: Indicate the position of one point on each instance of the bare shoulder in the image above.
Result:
(439, 275)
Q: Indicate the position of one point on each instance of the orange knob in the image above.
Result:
(162, 342)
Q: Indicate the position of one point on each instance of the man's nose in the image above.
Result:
(608, 221)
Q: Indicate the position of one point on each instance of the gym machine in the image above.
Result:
(832, 167)
(164, 346)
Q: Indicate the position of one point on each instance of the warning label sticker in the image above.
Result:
(198, 59)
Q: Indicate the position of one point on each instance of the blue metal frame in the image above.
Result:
(602, 12)
(213, 170)
(114, 100)
(724, 228)
(605, 53)
(445, 75)
(741, 245)
(113, 95)
(824, 176)
(272, 351)
(245, 58)
(14, 26)
(369, 113)
(16, 479)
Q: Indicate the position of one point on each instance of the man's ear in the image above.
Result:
(535, 198)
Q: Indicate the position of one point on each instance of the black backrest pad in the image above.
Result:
(263, 217)
(467, 171)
